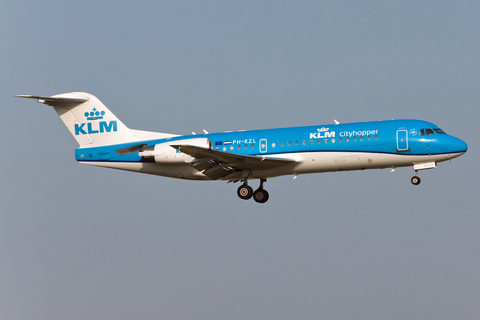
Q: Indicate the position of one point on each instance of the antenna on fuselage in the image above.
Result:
(336, 122)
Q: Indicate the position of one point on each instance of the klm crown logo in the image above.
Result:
(94, 114)
(95, 127)
(322, 133)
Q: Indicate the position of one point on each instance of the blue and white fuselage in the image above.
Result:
(252, 154)
(313, 149)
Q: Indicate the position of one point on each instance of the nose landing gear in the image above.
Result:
(246, 192)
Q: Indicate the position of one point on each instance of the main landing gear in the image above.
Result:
(416, 179)
(246, 192)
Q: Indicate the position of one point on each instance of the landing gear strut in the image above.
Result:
(416, 179)
(260, 195)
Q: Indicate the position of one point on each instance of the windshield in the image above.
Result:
(427, 131)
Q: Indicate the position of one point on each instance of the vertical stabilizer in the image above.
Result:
(90, 122)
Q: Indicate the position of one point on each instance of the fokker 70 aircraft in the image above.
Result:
(254, 154)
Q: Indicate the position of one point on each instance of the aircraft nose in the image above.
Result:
(459, 145)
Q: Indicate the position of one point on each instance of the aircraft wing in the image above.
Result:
(225, 165)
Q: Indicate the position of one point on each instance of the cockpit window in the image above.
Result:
(427, 131)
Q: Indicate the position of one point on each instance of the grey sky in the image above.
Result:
(79, 242)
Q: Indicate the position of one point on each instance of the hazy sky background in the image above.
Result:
(80, 242)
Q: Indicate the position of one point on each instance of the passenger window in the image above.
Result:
(368, 137)
(289, 143)
(347, 139)
(340, 139)
(239, 147)
(318, 141)
(273, 145)
(375, 137)
(326, 140)
(245, 147)
(333, 140)
(281, 144)
(354, 139)
(252, 146)
(231, 147)
(361, 138)
(304, 142)
(296, 143)
(311, 141)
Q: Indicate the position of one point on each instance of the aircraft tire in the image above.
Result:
(416, 180)
(260, 196)
(245, 192)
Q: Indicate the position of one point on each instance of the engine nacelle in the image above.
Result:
(164, 153)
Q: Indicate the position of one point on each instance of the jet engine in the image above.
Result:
(165, 153)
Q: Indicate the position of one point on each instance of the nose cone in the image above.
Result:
(461, 145)
(458, 145)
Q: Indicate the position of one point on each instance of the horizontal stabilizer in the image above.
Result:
(55, 101)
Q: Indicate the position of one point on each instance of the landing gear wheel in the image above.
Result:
(260, 196)
(416, 180)
(245, 192)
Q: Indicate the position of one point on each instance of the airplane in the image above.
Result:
(235, 156)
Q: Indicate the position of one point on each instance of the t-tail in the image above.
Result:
(90, 122)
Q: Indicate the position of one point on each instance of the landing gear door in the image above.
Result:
(402, 141)
(263, 145)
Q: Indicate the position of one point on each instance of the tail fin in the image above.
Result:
(87, 119)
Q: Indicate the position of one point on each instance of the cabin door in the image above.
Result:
(402, 141)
